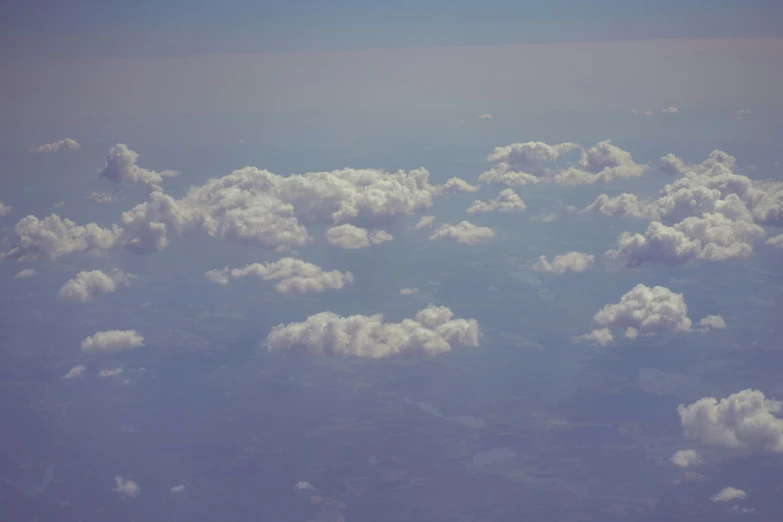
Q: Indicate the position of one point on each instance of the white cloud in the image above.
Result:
(58, 204)
(292, 275)
(179, 488)
(58, 146)
(671, 164)
(352, 237)
(89, 285)
(463, 232)
(112, 341)
(507, 201)
(75, 372)
(687, 458)
(121, 166)
(454, 186)
(424, 222)
(101, 197)
(111, 373)
(521, 164)
(746, 419)
(409, 291)
(572, 261)
(5, 209)
(484, 117)
(712, 322)
(126, 487)
(776, 241)
(302, 485)
(433, 331)
(670, 110)
(728, 494)
(545, 218)
(27, 272)
(601, 336)
(648, 310)
(637, 112)
(742, 113)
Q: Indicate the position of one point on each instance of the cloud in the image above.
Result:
(424, 222)
(24, 274)
(433, 331)
(75, 372)
(352, 237)
(522, 164)
(637, 112)
(507, 201)
(627, 205)
(484, 117)
(454, 186)
(687, 458)
(671, 164)
(101, 197)
(742, 113)
(776, 241)
(5, 209)
(110, 341)
(463, 232)
(179, 488)
(111, 373)
(126, 487)
(670, 110)
(545, 218)
(728, 494)
(572, 261)
(66, 144)
(302, 485)
(409, 291)
(712, 322)
(89, 285)
(601, 336)
(746, 420)
(292, 275)
(121, 166)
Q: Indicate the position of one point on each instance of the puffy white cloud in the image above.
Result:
(352, 237)
(5, 209)
(292, 275)
(463, 232)
(126, 487)
(53, 237)
(647, 310)
(58, 146)
(89, 285)
(101, 197)
(687, 458)
(728, 494)
(75, 372)
(179, 488)
(521, 164)
(712, 322)
(454, 186)
(409, 291)
(433, 331)
(111, 373)
(572, 261)
(624, 205)
(121, 166)
(112, 341)
(484, 117)
(424, 222)
(671, 164)
(638, 112)
(670, 110)
(602, 336)
(24, 274)
(507, 201)
(302, 485)
(746, 419)
(776, 241)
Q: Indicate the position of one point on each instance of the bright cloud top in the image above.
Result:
(63, 145)
(292, 275)
(111, 341)
(432, 332)
(352, 237)
(463, 232)
(89, 285)
(507, 201)
(572, 261)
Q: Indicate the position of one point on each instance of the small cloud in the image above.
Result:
(424, 222)
(110, 341)
(27, 272)
(111, 373)
(507, 201)
(5, 209)
(729, 494)
(709, 322)
(572, 261)
(302, 485)
(409, 291)
(126, 487)
(463, 232)
(775, 241)
(742, 113)
(670, 110)
(75, 372)
(637, 112)
(179, 488)
(89, 285)
(242, 142)
(687, 458)
(545, 218)
(485, 117)
(58, 146)
(601, 337)
(777, 164)
(58, 204)
(742, 509)
(752, 166)
(352, 237)
(101, 197)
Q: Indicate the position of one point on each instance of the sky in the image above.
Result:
(415, 261)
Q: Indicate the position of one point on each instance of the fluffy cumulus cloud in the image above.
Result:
(89, 285)
(292, 275)
(670, 110)
(728, 494)
(121, 166)
(746, 420)
(600, 336)
(24, 274)
(353, 237)
(708, 213)
(249, 206)
(302, 485)
(179, 488)
(572, 261)
(125, 487)
(455, 186)
(64, 145)
(75, 372)
(775, 241)
(424, 222)
(507, 201)
(463, 232)
(712, 322)
(521, 164)
(112, 341)
(433, 331)
(687, 458)
(5, 209)
(484, 117)
(114, 372)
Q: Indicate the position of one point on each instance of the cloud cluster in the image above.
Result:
(353, 237)
(728, 494)
(746, 420)
(58, 146)
(521, 164)
(572, 261)
(433, 331)
(89, 285)
(292, 275)
(463, 232)
(687, 458)
(507, 201)
(126, 487)
(121, 166)
(111, 341)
